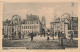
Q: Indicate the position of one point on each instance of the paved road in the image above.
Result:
(38, 43)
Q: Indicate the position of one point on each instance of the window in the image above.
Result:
(22, 27)
(26, 22)
(37, 22)
(26, 31)
(30, 27)
(26, 27)
(32, 22)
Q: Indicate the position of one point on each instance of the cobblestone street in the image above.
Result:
(39, 43)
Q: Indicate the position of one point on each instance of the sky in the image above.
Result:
(48, 10)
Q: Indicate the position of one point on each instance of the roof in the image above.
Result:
(7, 22)
(32, 17)
(24, 21)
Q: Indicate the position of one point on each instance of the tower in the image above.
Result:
(44, 21)
(43, 25)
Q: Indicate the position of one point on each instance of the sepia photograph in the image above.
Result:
(39, 26)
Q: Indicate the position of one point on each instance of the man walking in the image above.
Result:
(62, 35)
(52, 33)
(71, 38)
(59, 34)
(48, 34)
(31, 35)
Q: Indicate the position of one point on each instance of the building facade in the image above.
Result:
(56, 26)
(12, 28)
(30, 24)
(17, 28)
(73, 25)
(66, 26)
(7, 29)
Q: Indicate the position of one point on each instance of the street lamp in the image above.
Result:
(62, 21)
(66, 16)
(12, 28)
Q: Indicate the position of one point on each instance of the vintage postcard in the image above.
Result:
(40, 26)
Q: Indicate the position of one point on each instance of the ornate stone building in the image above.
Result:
(66, 26)
(30, 24)
(7, 29)
(12, 28)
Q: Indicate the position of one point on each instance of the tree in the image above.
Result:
(32, 35)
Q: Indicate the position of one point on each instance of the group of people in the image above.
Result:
(61, 36)
(50, 33)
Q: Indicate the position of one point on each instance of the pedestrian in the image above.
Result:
(44, 33)
(52, 33)
(59, 37)
(62, 35)
(55, 33)
(48, 38)
(23, 35)
(59, 34)
(31, 38)
(48, 34)
(71, 38)
(31, 35)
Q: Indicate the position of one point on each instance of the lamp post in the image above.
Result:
(62, 22)
(12, 28)
(66, 16)
(61, 38)
(72, 13)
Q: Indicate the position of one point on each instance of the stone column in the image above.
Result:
(66, 30)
